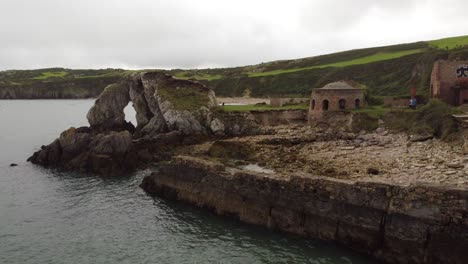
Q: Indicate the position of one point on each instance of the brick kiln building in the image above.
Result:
(449, 81)
(337, 96)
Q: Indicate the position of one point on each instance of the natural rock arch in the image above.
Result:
(168, 111)
(162, 104)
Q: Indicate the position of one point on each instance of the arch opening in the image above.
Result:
(130, 113)
(325, 105)
(312, 104)
(342, 104)
(357, 103)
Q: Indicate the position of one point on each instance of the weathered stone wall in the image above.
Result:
(333, 96)
(395, 224)
(277, 102)
(444, 78)
(280, 117)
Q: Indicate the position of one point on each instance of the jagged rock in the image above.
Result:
(139, 102)
(380, 130)
(217, 126)
(455, 165)
(418, 138)
(107, 112)
(77, 149)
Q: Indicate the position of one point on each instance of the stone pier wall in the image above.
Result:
(395, 224)
(280, 117)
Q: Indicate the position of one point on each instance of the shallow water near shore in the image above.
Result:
(48, 216)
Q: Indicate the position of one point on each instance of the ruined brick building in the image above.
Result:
(337, 96)
(449, 82)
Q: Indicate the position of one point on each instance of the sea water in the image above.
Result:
(52, 216)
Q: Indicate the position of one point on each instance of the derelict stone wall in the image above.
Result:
(443, 78)
(333, 96)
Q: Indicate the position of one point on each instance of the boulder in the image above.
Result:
(107, 113)
(77, 150)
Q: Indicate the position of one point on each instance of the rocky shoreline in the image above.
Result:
(396, 197)
(393, 223)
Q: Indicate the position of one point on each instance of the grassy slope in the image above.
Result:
(388, 70)
(450, 43)
(49, 74)
(197, 76)
(379, 56)
(56, 83)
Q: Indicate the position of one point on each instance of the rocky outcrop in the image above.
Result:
(163, 104)
(167, 110)
(108, 110)
(81, 149)
(393, 223)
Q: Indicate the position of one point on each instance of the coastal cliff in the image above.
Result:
(394, 223)
(78, 88)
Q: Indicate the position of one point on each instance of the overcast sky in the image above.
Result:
(210, 33)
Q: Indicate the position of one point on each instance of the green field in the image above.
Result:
(385, 71)
(374, 111)
(450, 43)
(197, 76)
(48, 74)
(241, 108)
(380, 56)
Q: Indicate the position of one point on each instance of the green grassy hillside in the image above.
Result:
(56, 83)
(387, 70)
(450, 43)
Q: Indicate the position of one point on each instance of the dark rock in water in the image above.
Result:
(13, 165)
(99, 153)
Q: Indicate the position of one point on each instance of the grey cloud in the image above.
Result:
(203, 33)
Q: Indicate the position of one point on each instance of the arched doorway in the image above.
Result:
(342, 104)
(357, 103)
(312, 105)
(325, 105)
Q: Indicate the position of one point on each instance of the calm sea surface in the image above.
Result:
(48, 216)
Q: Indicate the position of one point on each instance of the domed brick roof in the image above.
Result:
(341, 85)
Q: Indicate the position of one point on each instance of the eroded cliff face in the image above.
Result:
(168, 112)
(394, 223)
(162, 104)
